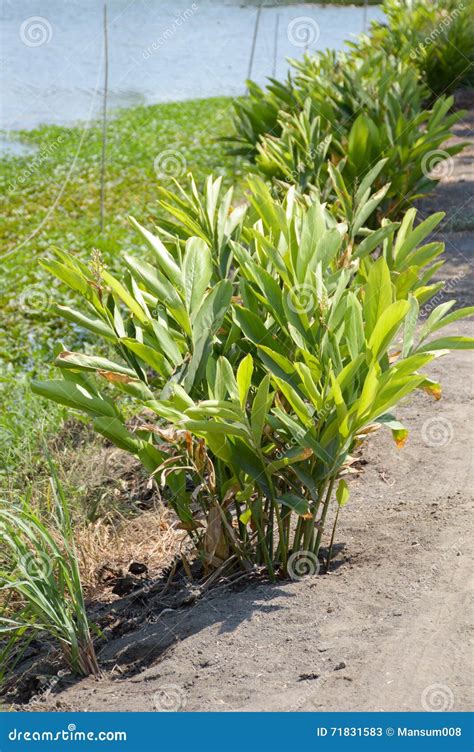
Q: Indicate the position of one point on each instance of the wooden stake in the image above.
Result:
(366, 2)
(104, 122)
(275, 45)
(254, 40)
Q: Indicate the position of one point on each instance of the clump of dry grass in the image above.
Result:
(150, 538)
(105, 481)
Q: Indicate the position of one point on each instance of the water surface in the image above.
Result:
(158, 51)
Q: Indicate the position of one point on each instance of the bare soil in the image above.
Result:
(388, 628)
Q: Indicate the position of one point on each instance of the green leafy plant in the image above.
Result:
(397, 131)
(40, 581)
(207, 215)
(251, 392)
(437, 37)
(360, 107)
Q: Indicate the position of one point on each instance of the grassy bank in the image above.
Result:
(53, 199)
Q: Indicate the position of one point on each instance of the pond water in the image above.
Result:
(159, 51)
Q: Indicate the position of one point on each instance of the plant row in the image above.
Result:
(248, 350)
(388, 98)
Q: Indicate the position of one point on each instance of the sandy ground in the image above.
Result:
(388, 628)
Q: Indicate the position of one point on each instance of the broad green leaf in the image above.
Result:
(251, 325)
(342, 493)
(114, 430)
(74, 280)
(303, 411)
(369, 392)
(126, 297)
(225, 380)
(416, 236)
(435, 316)
(150, 356)
(206, 324)
(162, 255)
(410, 325)
(197, 272)
(260, 407)
(354, 328)
(387, 326)
(372, 241)
(157, 284)
(68, 359)
(447, 343)
(296, 503)
(244, 378)
(74, 395)
(215, 428)
(378, 294)
(290, 457)
(461, 313)
(95, 325)
(366, 210)
(369, 179)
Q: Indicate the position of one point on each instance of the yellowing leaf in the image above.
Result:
(434, 390)
(400, 437)
(115, 378)
(245, 516)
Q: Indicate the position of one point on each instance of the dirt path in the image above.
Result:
(389, 627)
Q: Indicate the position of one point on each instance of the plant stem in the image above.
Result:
(323, 515)
(309, 526)
(283, 544)
(328, 560)
(298, 533)
(264, 550)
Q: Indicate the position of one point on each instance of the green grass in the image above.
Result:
(39, 572)
(53, 199)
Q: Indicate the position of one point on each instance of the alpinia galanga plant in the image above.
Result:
(436, 37)
(359, 107)
(259, 351)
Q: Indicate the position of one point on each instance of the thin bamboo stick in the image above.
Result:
(254, 40)
(104, 122)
